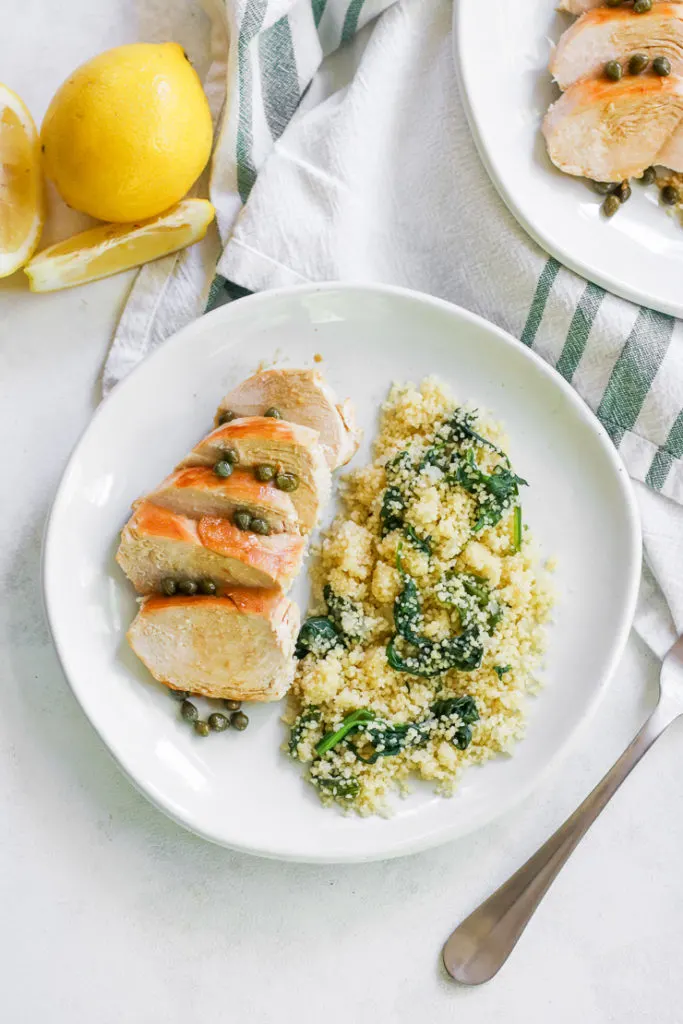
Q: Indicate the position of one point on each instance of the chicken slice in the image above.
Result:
(671, 155)
(301, 396)
(611, 131)
(580, 6)
(610, 33)
(238, 645)
(197, 492)
(289, 447)
(157, 544)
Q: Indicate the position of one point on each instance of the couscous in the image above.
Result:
(426, 629)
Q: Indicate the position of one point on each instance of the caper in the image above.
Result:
(623, 192)
(218, 722)
(669, 195)
(168, 587)
(258, 525)
(638, 63)
(223, 469)
(187, 587)
(613, 70)
(189, 711)
(179, 694)
(239, 720)
(226, 417)
(648, 176)
(233, 705)
(242, 519)
(286, 481)
(202, 728)
(611, 205)
(661, 66)
(642, 6)
(207, 587)
(273, 413)
(603, 188)
(613, 3)
(231, 455)
(265, 473)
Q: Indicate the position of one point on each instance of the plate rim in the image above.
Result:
(444, 834)
(616, 286)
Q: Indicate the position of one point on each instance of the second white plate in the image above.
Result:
(502, 60)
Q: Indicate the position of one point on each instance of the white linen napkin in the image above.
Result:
(373, 176)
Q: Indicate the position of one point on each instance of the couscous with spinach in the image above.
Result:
(426, 625)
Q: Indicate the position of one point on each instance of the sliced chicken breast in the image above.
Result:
(611, 131)
(579, 6)
(197, 492)
(671, 155)
(157, 545)
(614, 33)
(288, 447)
(238, 645)
(301, 396)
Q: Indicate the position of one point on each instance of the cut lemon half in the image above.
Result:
(21, 184)
(111, 248)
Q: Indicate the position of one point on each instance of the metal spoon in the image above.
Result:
(479, 947)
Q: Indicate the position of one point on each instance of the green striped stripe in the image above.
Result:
(351, 20)
(579, 330)
(538, 303)
(251, 23)
(215, 293)
(635, 369)
(318, 10)
(615, 431)
(666, 456)
(279, 77)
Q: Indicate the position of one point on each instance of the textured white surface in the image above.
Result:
(111, 913)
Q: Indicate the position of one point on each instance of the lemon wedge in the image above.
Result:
(21, 184)
(111, 248)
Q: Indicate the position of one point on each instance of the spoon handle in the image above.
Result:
(479, 947)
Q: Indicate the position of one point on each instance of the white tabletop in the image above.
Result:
(111, 913)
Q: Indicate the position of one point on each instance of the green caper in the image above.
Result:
(168, 587)
(613, 70)
(611, 205)
(233, 705)
(613, 3)
(223, 469)
(239, 720)
(207, 587)
(273, 413)
(286, 481)
(218, 722)
(661, 66)
(231, 455)
(638, 63)
(189, 711)
(642, 6)
(179, 694)
(603, 188)
(623, 193)
(265, 473)
(258, 525)
(187, 587)
(202, 728)
(242, 519)
(226, 417)
(669, 195)
(648, 176)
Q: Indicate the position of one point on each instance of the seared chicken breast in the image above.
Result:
(611, 131)
(300, 396)
(198, 491)
(614, 33)
(159, 545)
(238, 645)
(288, 448)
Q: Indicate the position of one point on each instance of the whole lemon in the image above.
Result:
(128, 133)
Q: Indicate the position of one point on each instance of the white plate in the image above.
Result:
(502, 62)
(240, 790)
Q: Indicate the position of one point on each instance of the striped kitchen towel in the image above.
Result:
(374, 177)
